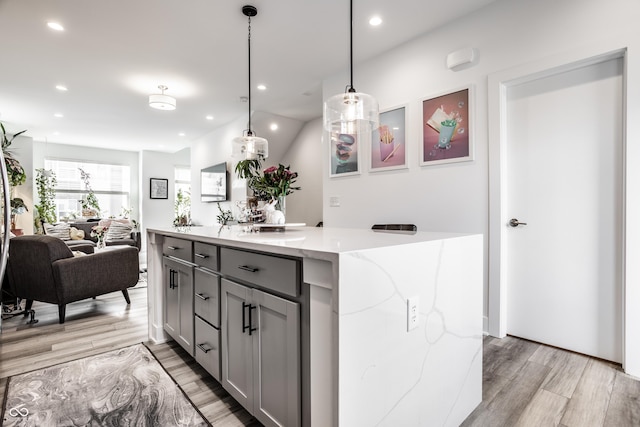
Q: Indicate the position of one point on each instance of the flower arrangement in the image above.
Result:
(277, 181)
(99, 232)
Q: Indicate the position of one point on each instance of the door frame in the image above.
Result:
(498, 83)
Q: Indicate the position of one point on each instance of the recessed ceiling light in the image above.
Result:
(58, 115)
(61, 88)
(262, 87)
(56, 133)
(209, 117)
(55, 26)
(181, 134)
(375, 21)
(274, 126)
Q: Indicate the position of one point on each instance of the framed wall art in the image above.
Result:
(447, 128)
(344, 152)
(159, 188)
(388, 148)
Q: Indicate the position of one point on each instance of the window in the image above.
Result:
(110, 183)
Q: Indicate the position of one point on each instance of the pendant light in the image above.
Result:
(347, 112)
(249, 146)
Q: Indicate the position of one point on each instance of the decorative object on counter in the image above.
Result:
(388, 149)
(46, 188)
(249, 145)
(99, 232)
(277, 182)
(90, 204)
(446, 129)
(271, 215)
(158, 188)
(225, 217)
(182, 208)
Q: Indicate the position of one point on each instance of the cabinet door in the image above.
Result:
(171, 302)
(178, 305)
(237, 369)
(276, 360)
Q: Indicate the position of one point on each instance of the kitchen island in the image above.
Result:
(388, 329)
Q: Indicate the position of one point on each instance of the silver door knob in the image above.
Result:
(514, 222)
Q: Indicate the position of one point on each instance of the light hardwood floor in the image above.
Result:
(530, 384)
(525, 383)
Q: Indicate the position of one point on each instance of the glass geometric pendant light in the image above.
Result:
(351, 111)
(250, 146)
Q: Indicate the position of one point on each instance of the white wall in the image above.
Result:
(507, 33)
(158, 212)
(305, 205)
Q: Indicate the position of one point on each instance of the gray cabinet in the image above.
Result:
(207, 320)
(261, 353)
(178, 302)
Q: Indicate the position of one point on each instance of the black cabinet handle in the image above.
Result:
(203, 256)
(172, 279)
(244, 319)
(203, 348)
(251, 307)
(202, 297)
(248, 268)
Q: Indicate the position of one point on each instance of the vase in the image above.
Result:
(282, 205)
(101, 244)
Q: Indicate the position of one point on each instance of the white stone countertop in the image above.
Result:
(302, 241)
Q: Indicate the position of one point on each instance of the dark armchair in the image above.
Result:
(43, 268)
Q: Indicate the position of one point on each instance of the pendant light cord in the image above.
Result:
(351, 88)
(249, 132)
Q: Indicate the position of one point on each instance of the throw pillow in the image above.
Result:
(61, 231)
(76, 234)
(118, 231)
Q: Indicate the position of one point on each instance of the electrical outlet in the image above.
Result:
(412, 313)
(334, 201)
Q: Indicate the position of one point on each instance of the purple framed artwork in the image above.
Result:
(446, 129)
(388, 148)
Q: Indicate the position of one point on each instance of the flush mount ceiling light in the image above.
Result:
(347, 111)
(249, 146)
(162, 101)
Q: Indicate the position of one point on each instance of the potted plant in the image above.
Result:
(182, 208)
(90, 204)
(46, 188)
(15, 171)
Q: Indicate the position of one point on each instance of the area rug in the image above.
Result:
(125, 387)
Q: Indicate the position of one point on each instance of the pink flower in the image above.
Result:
(272, 169)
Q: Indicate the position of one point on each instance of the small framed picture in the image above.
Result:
(344, 153)
(388, 148)
(159, 188)
(447, 128)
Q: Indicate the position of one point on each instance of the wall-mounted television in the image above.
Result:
(213, 183)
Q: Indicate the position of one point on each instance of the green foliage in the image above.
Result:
(90, 201)
(46, 188)
(182, 208)
(225, 216)
(277, 181)
(15, 171)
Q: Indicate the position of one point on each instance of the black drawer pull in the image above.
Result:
(203, 256)
(248, 268)
(203, 348)
(173, 248)
(202, 297)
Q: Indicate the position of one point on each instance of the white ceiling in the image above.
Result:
(114, 53)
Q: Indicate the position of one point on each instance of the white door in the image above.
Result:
(564, 180)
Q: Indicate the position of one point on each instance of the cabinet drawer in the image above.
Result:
(207, 296)
(208, 347)
(271, 272)
(178, 248)
(205, 255)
